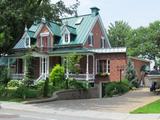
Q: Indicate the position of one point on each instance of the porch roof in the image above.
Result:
(4, 61)
(109, 50)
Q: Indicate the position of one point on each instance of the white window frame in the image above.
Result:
(29, 42)
(69, 37)
(102, 42)
(91, 38)
(107, 70)
(44, 34)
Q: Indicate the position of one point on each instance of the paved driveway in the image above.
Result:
(124, 103)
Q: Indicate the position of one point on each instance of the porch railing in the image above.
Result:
(81, 76)
(17, 76)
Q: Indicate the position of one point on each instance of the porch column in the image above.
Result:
(47, 66)
(25, 66)
(93, 67)
(67, 71)
(87, 71)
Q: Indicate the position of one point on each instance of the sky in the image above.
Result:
(135, 12)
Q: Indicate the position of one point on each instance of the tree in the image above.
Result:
(15, 14)
(119, 33)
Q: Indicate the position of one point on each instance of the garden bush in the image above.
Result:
(2, 90)
(57, 75)
(14, 83)
(74, 84)
(116, 88)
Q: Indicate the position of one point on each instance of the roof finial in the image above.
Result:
(43, 20)
(25, 29)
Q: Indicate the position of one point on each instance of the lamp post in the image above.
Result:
(120, 68)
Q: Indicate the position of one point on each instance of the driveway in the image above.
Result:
(123, 104)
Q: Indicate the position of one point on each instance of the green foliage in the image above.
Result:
(119, 33)
(4, 78)
(72, 62)
(46, 89)
(14, 16)
(74, 84)
(14, 83)
(130, 71)
(116, 88)
(57, 75)
(2, 90)
(28, 79)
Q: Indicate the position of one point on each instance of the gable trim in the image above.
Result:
(104, 31)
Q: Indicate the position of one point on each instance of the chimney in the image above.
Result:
(94, 11)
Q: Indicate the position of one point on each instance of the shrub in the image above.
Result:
(2, 90)
(74, 84)
(14, 83)
(116, 88)
(57, 75)
(4, 78)
(45, 89)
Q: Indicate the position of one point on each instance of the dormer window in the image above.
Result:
(66, 38)
(90, 40)
(27, 42)
(45, 40)
(102, 42)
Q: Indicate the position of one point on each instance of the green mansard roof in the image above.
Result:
(80, 26)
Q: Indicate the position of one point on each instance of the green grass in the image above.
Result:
(153, 107)
(7, 99)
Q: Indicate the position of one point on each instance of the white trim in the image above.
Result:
(38, 30)
(44, 34)
(106, 65)
(66, 31)
(104, 31)
(87, 68)
(102, 42)
(92, 39)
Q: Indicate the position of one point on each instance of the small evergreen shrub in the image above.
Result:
(2, 90)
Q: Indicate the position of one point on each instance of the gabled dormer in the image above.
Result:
(25, 41)
(68, 33)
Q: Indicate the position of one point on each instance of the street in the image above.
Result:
(8, 114)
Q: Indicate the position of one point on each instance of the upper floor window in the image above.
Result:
(45, 40)
(103, 66)
(102, 42)
(91, 40)
(66, 38)
(27, 41)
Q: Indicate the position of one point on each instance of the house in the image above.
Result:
(50, 42)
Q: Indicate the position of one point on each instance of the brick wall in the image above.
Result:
(53, 60)
(116, 59)
(44, 29)
(97, 34)
(138, 64)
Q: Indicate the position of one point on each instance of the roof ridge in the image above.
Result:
(75, 16)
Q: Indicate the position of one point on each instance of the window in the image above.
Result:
(27, 41)
(102, 42)
(103, 66)
(90, 39)
(66, 38)
(45, 40)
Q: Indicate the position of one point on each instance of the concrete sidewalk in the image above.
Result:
(80, 113)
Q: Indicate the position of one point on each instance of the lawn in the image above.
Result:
(153, 107)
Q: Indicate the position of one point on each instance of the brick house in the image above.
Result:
(50, 42)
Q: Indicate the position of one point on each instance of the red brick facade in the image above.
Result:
(44, 39)
(97, 34)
